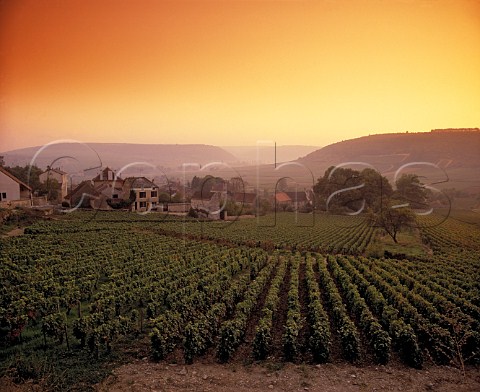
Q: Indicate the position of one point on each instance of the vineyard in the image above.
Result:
(87, 285)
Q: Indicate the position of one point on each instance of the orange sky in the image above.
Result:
(234, 72)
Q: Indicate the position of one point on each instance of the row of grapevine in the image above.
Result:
(263, 334)
(345, 327)
(200, 333)
(378, 339)
(319, 339)
(443, 299)
(432, 337)
(403, 337)
(438, 310)
(293, 323)
(232, 331)
(125, 276)
(189, 305)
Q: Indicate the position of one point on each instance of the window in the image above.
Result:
(4, 195)
(154, 193)
(142, 195)
(143, 204)
(115, 196)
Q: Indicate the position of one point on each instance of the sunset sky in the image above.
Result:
(234, 72)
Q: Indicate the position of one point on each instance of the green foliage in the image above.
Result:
(345, 190)
(80, 330)
(379, 339)
(263, 336)
(232, 332)
(50, 188)
(392, 219)
(374, 249)
(192, 213)
(263, 333)
(293, 323)
(163, 197)
(345, 327)
(319, 340)
(54, 326)
(205, 184)
(135, 278)
(194, 341)
(231, 335)
(122, 203)
(28, 174)
(410, 190)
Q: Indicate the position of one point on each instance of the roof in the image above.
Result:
(104, 174)
(8, 174)
(138, 182)
(297, 196)
(56, 170)
(84, 187)
(107, 186)
(282, 197)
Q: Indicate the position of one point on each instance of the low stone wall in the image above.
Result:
(39, 201)
(178, 207)
(15, 203)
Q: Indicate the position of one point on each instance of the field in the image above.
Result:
(88, 291)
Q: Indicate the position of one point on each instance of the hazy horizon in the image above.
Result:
(261, 143)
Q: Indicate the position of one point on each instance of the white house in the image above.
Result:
(13, 192)
(146, 193)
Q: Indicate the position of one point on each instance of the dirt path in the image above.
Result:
(146, 376)
(14, 232)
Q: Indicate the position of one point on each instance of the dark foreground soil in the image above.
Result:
(142, 375)
(146, 376)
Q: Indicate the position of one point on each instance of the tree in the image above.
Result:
(231, 208)
(262, 207)
(391, 218)
(410, 190)
(282, 185)
(50, 188)
(205, 184)
(345, 189)
(177, 198)
(163, 197)
(192, 213)
(28, 174)
(376, 187)
(329, 189)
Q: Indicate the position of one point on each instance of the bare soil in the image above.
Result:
(14, 232)
(146, 376)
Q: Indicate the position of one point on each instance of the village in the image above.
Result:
(209, 197)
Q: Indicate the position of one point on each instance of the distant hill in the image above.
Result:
(248, 154)
(78, 156)
(448, 149)
(454, 150)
